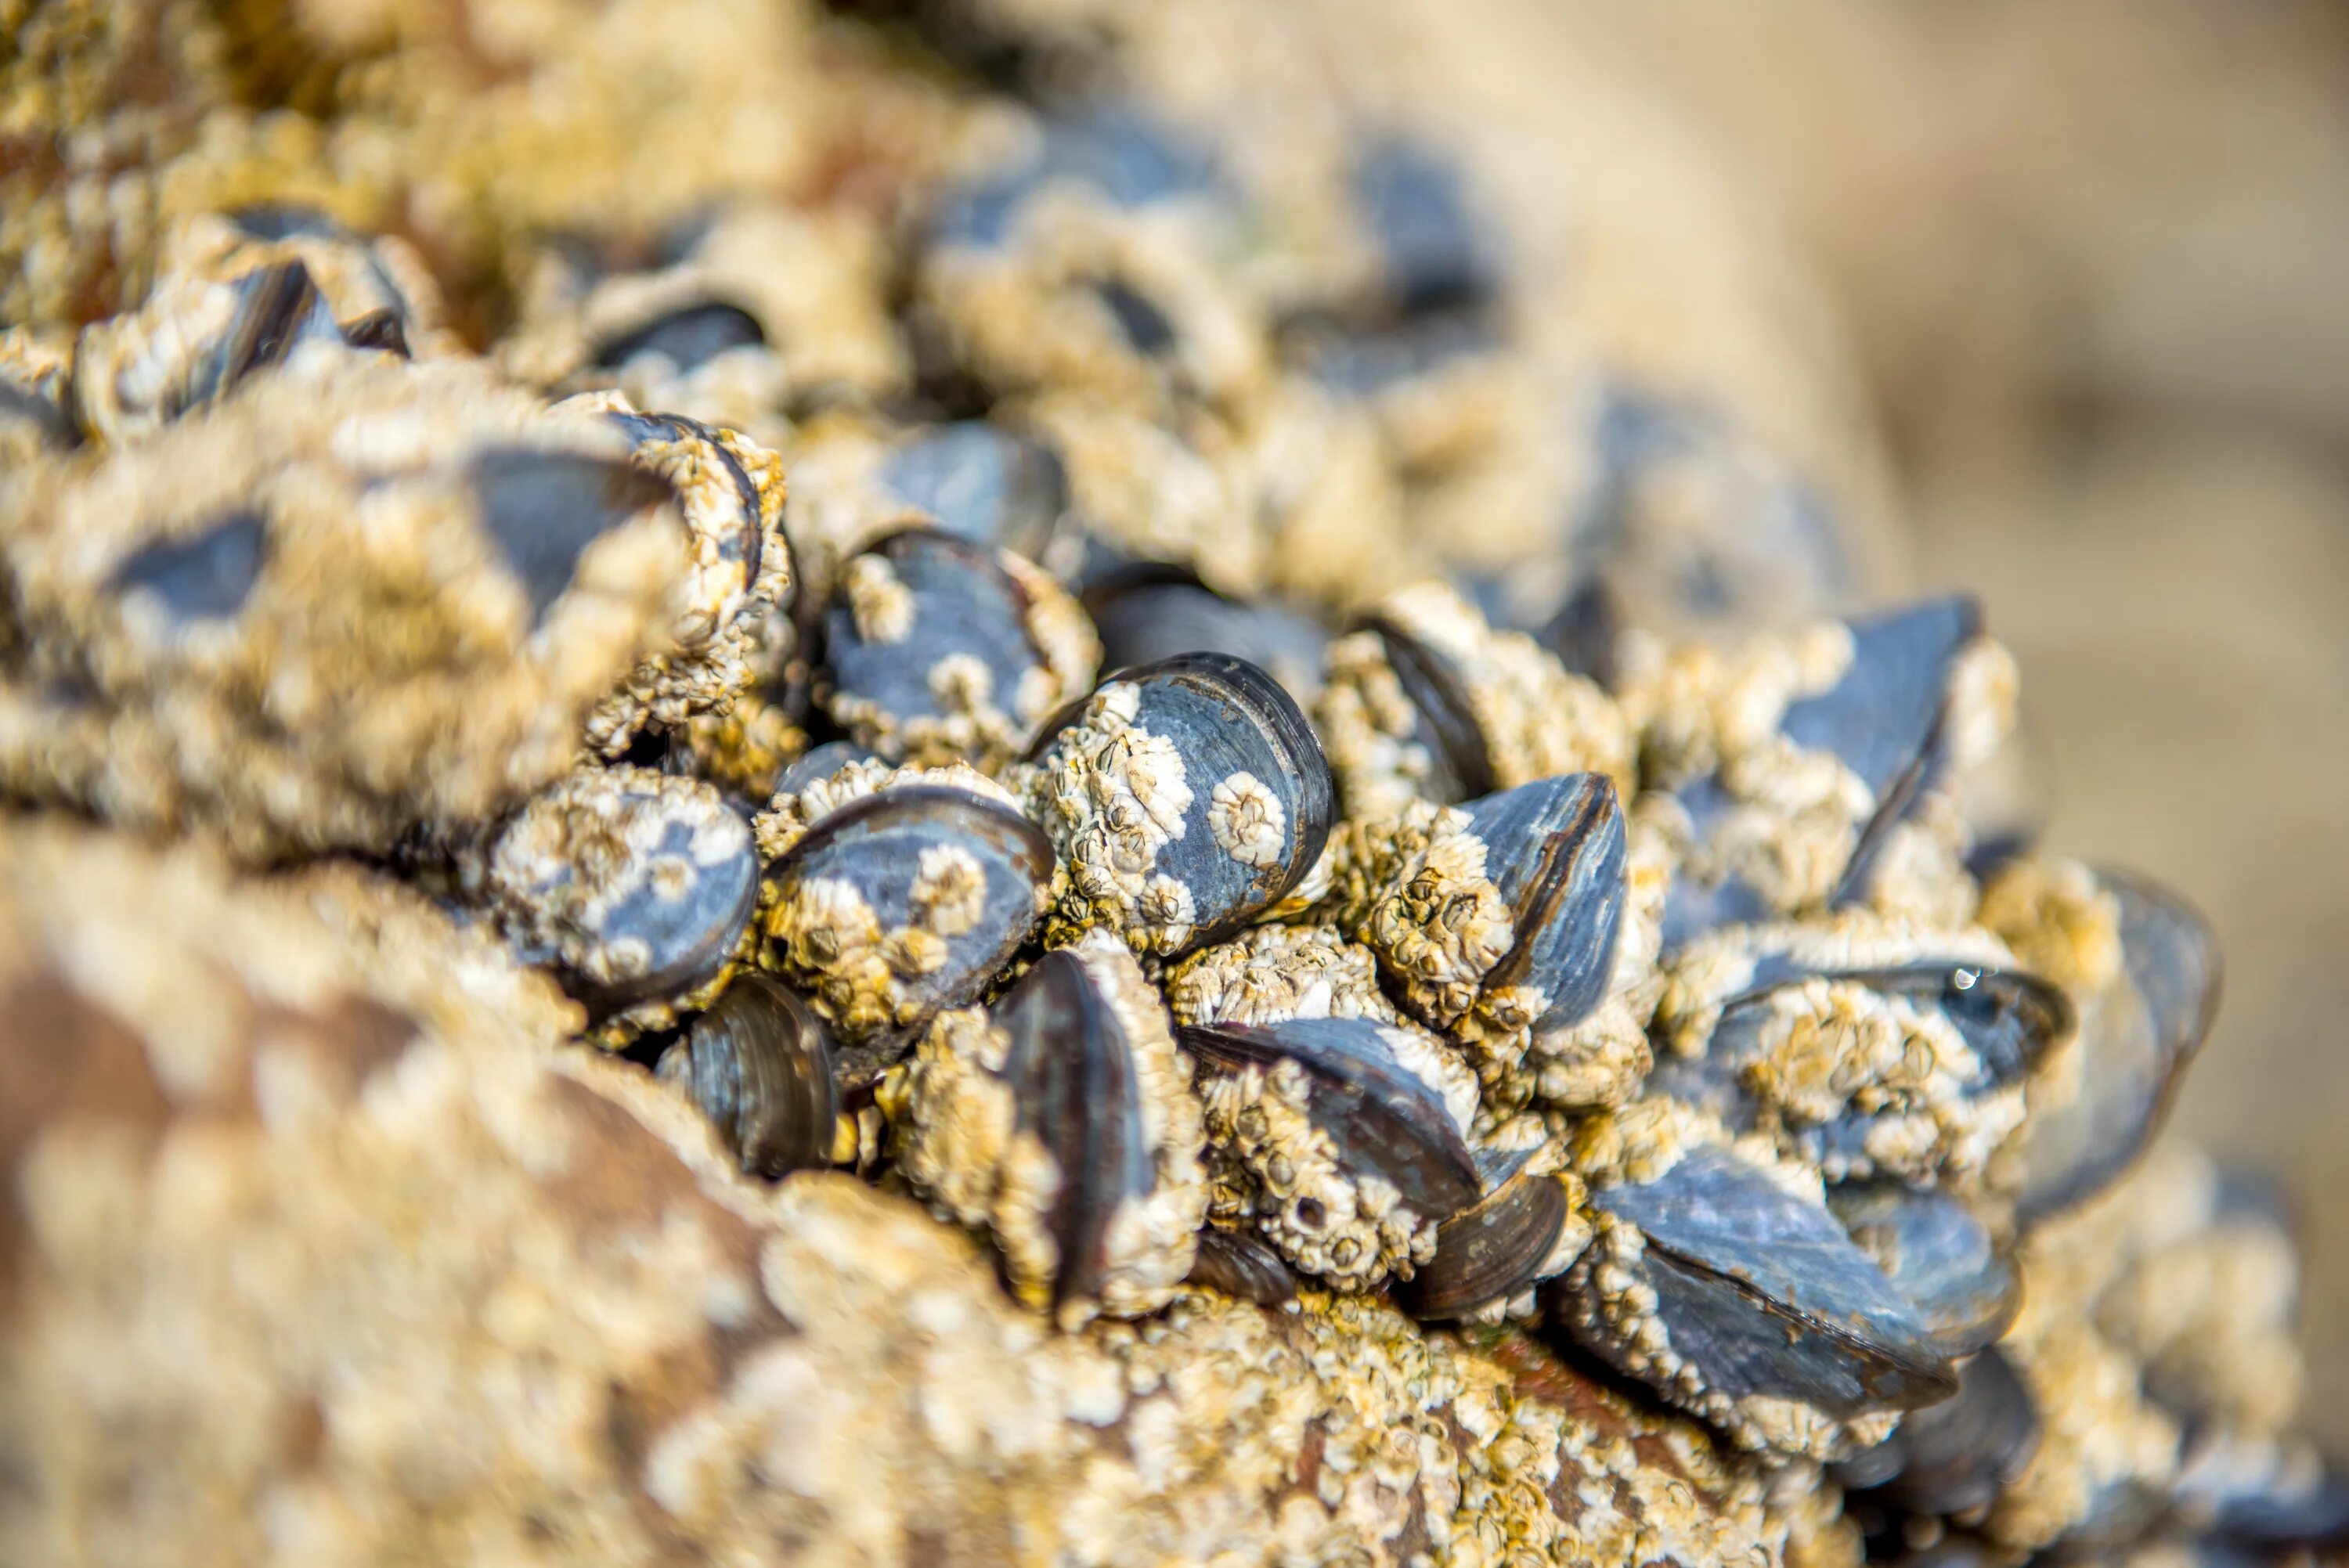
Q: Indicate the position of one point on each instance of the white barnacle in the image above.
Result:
(961, 683)
(880, 603)
(949, 890)
(1246, 820)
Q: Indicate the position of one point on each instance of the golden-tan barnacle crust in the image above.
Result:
(2059, 920)
(961, 1137)
(1316, 471)
(792, 811)
(2156, 1323)
(1145, 491)
(1060, 305)
(35, 395)
(731, 492)
(1274, 973)
(1411, 887)
(631, 881)
(812, 283)
(340, 1138)
(385, 663)
(1270, 1166)
(1113, 798)
(1827, 1046)
(744, 749)
(137, 371)
(1532, 718)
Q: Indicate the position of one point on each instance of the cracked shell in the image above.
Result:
(1744, 1302)
(1184, 798)
(939, 650)
(633, 883)
(1342, 1139)
(1060, 1120)
(898, 904)
(759, 1067)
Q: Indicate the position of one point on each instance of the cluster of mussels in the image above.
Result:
(1124, 800)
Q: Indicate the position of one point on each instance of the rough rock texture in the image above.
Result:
(320, 1247)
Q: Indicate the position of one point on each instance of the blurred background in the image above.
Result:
(2093, 260)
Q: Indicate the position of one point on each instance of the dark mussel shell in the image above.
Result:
(1585, 634)
(1384, 1119)
(876, 849)
(980, 483)
(1761, 1293)
(885, 671)
(1243, 1266)
(622, 925)
(1884, 719)
(204, 576)
(1071, 1073)
(545, 507)
(1955, 1456)
(1940, 1256)
(749, 542)
(2008, 1018)
(1151, 611)
(2295, 1501)
(1435, 257)
(278, 309)
(1555, 852)
(1260, 799)
(1761, 548)
(1117, 155)
(759, 1066)
(1503, 1243)
(688, 336)
(2135, 1041)
(1445, 722)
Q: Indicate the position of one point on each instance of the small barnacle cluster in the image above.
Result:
(1153, 725)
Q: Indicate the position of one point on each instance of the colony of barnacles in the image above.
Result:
(1033, 750)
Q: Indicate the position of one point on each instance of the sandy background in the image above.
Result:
(2094, 259)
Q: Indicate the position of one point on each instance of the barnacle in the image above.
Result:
(1252, 866)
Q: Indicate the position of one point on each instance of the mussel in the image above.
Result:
(632, 883)
(1744, 1302)
(1185, 798)
(1060, 1118)
(898, 904)
(1342, 1139)
(937, 648)
(2136, 1041)
(759, 1067)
